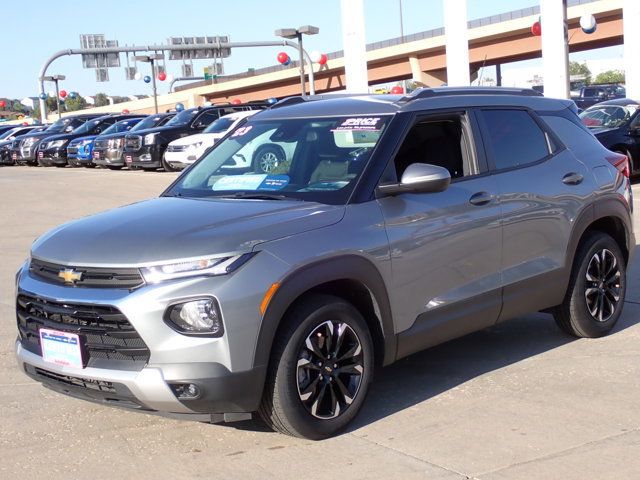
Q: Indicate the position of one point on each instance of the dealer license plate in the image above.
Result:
(96, 155)
(40, 154)
(128, 158)
(61, 348)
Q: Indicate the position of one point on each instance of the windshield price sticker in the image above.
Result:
(359, 123)
(242, 131)
(274, 182)
(239, 182)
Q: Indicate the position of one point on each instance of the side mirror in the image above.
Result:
(69, 129)
(419, 178)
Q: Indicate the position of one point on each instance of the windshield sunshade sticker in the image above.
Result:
(360, 123)
(274, 182)
(242, 131)
(239, 182)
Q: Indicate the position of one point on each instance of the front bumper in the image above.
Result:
(222, 368)
(149, 156)
(108, 157)
(53, 156)
(181, 159)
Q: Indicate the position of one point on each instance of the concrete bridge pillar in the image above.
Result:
(457, 46)
(555, 53)
(630, 25)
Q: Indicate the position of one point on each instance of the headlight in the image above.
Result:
(196, 317)
(27, 142)
(195, 145)
(57, 143)
(84, 143)
(150, 138)
(195, 268)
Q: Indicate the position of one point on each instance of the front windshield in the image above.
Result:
(148, 122)
(609, 116)
(87, 126)
(58, 125)
(316, 159)
(182, 118)
(8, 133)
(219, 126)
(122, 126)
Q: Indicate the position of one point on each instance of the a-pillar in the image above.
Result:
(457, 42)
(630, 25)
(353, 44)
(555, 53)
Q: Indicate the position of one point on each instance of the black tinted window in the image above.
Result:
(514, 138)
(206, 118)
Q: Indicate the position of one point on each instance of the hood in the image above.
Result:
(82, 139)
(168, 228)
(40, 135)
(603, 130)
(198, 137)
(64, 136)
(171, 128)
(114, 135)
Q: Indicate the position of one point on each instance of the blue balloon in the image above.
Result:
(147, 79)
(61, 102)
(179, 107)
(287, 62)
(272, 100)
(73, 95)
(43, 96)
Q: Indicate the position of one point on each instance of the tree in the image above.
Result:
(101, 100)
(610, 76)
(74, 104)
(577, 68)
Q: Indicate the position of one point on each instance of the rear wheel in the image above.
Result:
(597, 287)
(320, 370)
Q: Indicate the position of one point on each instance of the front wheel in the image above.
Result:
(595, 296)
(267, 158)
(320, 370)
(167, 166)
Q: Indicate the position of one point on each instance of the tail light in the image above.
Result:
(621, 162)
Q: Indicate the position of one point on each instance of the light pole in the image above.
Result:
(151, 59)
(55, 79)
(290, 33)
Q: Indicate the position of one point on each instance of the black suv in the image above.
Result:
(145, 148)
(108, 150)
(53, 150)
(25, 147)
(8, 136)
(616, 124)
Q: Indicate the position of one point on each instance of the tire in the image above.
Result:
(266, 158)
(167, 167)
(583, 314)
(293, 368)
(58, 165)
(73, 163)
(115, 167)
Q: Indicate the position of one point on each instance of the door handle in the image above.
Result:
(572, 178)
(481, 198)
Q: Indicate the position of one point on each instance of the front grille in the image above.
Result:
(105, 334)
(132, 142)
(176, 148)
(99, 385)
(101, 144)
(91, 277)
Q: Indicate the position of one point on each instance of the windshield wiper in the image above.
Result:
(257, 196)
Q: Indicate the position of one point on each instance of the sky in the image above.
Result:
(41, 27)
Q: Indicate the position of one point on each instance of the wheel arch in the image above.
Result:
(350, 277)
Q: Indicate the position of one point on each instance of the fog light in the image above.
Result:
(185, 391)
(198, 317)
(145, 157)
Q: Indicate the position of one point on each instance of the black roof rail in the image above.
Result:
(447, 91)
(312, 98)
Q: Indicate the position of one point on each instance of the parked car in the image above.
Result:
(7, 137)
(240, 291)
(108, 149)
(616, 124)
(184, 151)
(145, 148)
(596, 93)
(25, 150)
(53, 150)
(80, 150)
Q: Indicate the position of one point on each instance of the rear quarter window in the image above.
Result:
(575, 137)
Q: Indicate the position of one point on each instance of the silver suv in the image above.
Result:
(398, 223)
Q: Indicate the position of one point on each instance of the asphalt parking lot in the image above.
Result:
(518, 401)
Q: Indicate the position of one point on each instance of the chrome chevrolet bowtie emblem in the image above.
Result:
(69, 275)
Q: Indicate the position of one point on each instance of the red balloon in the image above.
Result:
(236, 101)
(536, 29)
(25, 123)
(323, 59)
(162, 76)
(63, 93)
(283, 57)
(125, 111)
(397, 90)
(3, 104)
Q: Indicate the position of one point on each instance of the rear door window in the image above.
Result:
(513, 138)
